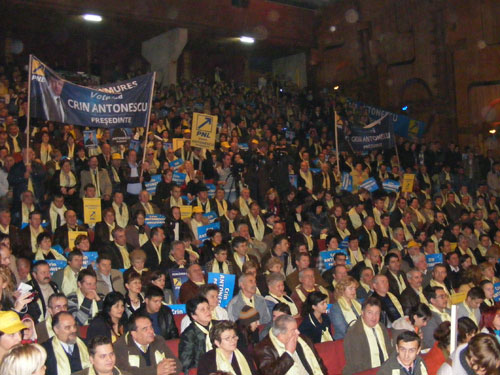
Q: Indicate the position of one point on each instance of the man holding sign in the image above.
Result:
(61, 234)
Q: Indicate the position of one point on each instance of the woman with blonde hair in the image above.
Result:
(272, 202)
(347, 309)
(471, 278)
(7, 301)
(24, 360)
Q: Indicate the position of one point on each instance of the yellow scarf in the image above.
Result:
(221, 207)
(303, 297)
(293, 309)
(244, 210)
(225, 366)
(208, 343)
(373, 237)
(472, 316)
(343, 233)
(34, 235)
(45, 151)
(445, 317)
(54, 213)
(355, 218)
(347, 311)
(69, 284)
(110, 228)
(258, 227)
(396, 303)
(39, 255)
(325, 334)
(307, 178)
(63, 366)
(121, 220)
(216, 268)
(67, 180)
(420, 217)
(94, 309)
(237, 260)
(125, 256)
(308, 354)
(372, 338)
(400, 281)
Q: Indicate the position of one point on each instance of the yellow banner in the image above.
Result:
(92, 210)
(177, 143)
(203, 131)
(408, 180)
(186, 212)
(72, 237)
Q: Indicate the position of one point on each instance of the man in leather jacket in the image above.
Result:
(161, 316)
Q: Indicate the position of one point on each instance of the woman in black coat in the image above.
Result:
(110, 321)
(316, 324)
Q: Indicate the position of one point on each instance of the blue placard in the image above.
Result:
(369, 184)
(243, 146)
(186, 198)
(168, 146)
(177, 277)
(391, 185)
(154, 220)
(211, 190)
(134, 145)
(176, 163)
(496, 296)
(315, 170)
(293, 180)
(211, 216)
(56, 265)
(327, 257)
(178, 309)
(329, 307)
(179, 178)
(90, 139)
(344, 244)
(89, 257)
(433, 259)
(151, 185)
(58, 248)
(202, 231)
(346, 182)
(226, 286)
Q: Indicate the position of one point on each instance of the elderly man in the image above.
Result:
(413, 294)
(144, 204)
(44, 286)
(108, 279)
(140, 351)
(71, 225)
(303, 261)
(86, 302)
(367, 344)
(255, 247)
(66, 353)
(118, 250)
(66, 278)
(406, 360)
(438, 302)
(57, 303)
(307, 284)
(390, 305)
(373, 260)
(420, 263)
(284, 351)
(247, 296)
(190, 288)
(102, 358)
(365, 288)
(276, 285)
(156, 249)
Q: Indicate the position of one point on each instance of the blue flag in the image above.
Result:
(226, 286)
(115, 106)
(433, 259)
(154, 220)
(177, 277)
(391, 186)
(153, 183)
(202, 231)
(346, 182)
(375, 136)
(370, 185)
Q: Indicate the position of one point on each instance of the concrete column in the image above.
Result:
(163, 51)
(186, 65)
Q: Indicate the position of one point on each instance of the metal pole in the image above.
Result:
(147, 125)
(337, 141)
(28, 112)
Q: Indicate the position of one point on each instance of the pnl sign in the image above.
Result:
(203, 131)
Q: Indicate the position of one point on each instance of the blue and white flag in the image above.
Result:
(346, 182)
(179, 178)
(496, 295)
(176, 163)
(119, 105)
(211, 216)
(211, 190)
(202, 231)
(433, 259)
(391, 186)
(154, 220)
(226, 286)
(153, 183)
(369, 184)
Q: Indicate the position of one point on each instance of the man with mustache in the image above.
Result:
(44, 287)
(66, 353)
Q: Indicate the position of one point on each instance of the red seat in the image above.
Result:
(372, 371)
(332, 354)
(82, 330)
(173, 345)
(178, 319)
(321, 245)
(193, 371)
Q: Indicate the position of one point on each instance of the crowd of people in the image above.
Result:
(281, 211)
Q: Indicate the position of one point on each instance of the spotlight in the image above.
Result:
(92, 17)
(405, 108)
(492, 131)
(247, 39)
(336, 87)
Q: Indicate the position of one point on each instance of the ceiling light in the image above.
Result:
(336, 87)
(92, 17)
(247, 39)
(493, 131)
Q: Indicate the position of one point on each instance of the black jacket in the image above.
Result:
(165, 321)
(191, 347)
(33, 307)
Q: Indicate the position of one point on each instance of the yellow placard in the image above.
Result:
(457, 298)
(72, 237)
(408, 180)
(177, 143)
(92, 210)
(203, 131)
(186, 212)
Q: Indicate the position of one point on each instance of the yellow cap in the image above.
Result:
(225, 145)
(197, 210)
(413, 244)
(187, 130)
(116, 156)
(255, 141)
(10, 322)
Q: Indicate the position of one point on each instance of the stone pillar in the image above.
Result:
(163, 51)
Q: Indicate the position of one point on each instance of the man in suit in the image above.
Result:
(413, 294)
(228, 224)
(256, 223)
(97, 177)
(367, 343)
(190, 288)
(57, 303)
(305, 237)
(438, 302)
(66, 352)
(118, 251)
(406, 359)
(451, 208)
(136, 351)
(373, 260)
(108, 279)
(240, 254)
(218, 204)
(144, 204)
(248, 296)
(397, 279)
(367, 235)
(398, 212)
(44, 287)
(453, 269)
(22, 176)
(391, 307)
(175, 200)
(365, 288)
(284, 337)
(280, 249)
(11, 231)
(156, 249)
(175, 228)
(71, 225)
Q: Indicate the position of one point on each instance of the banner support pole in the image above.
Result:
(28, 111)
(337, 141)
(147, 125)
(396, 146)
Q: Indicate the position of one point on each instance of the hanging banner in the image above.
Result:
(203, 131)
(120, 105)
(377, 135)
